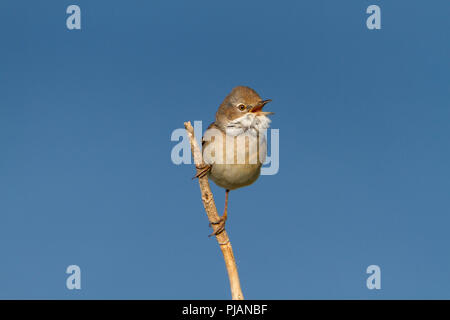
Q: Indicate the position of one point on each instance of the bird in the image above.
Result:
(234, 146)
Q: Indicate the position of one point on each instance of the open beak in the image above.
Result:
(258, 107)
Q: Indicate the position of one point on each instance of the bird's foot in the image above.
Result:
(221, 226)
(202, 171)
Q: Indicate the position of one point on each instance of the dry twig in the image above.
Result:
(211, 211)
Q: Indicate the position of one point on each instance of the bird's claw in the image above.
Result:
(221, 227)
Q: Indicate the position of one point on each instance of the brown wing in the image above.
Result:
(205, 143)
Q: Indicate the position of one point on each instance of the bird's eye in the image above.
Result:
(241, 107)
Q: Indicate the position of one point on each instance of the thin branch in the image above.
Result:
(213, 216)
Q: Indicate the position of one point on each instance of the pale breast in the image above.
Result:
(233, 176)
(236, 160)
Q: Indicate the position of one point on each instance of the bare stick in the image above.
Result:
(213, 217)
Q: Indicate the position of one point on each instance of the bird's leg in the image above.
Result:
(223, 218)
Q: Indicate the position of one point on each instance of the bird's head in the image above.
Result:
(242, 110)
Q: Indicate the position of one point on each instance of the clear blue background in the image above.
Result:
(86, 176)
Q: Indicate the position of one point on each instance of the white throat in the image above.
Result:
(248, 123)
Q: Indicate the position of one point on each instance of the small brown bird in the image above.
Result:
(234, 146)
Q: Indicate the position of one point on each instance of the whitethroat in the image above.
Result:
(235, 146)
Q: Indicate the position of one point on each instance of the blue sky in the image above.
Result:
(86, 176)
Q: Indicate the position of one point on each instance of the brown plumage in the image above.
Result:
(234, 146)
